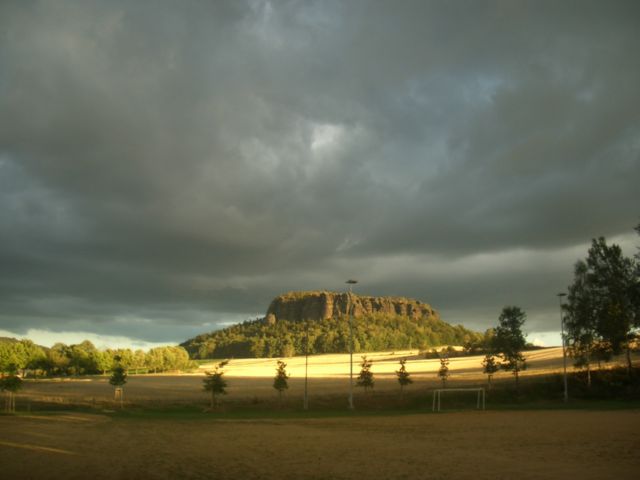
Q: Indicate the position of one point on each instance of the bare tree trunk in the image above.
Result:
(629, 364)
(10, 403)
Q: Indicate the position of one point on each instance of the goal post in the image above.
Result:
(437, 397)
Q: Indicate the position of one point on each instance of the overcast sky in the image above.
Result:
(167, 168)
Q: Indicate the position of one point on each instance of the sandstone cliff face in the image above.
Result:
(298, 306)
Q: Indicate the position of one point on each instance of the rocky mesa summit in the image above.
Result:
(299, 322)
(323, 305)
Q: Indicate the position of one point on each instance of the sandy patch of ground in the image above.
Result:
(469, 445)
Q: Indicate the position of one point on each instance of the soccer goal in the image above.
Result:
(437, 397)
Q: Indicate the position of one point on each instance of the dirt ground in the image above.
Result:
(455, 445)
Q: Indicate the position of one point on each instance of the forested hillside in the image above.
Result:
(260, 338)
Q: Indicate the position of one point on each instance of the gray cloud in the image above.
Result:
(166, 167)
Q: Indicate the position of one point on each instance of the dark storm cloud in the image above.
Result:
(165, 166)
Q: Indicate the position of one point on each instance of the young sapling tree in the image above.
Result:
(280, 381)
(403, 376)
(11, 384)
(215, 384)
(443, 371)
(365, 378)
(118, 379)
(490, 367)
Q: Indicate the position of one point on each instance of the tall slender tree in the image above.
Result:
(581, 319)
(509, 340)
(636, 287)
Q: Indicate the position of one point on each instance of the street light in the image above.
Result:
(351, 283)
(564, 350)
(306, 367)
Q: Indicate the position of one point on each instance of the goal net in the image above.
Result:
(438, 393)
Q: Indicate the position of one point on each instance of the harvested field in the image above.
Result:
(468, 445)
(250, 380)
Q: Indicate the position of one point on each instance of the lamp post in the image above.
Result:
(351, 283)
(306, 367)
(564, 350)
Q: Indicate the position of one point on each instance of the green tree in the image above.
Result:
(603, 305)
(125, 358)
(118, 379)
(139, 360)
(32, 355)
(10, 384)
(181, 358)
(509, 340)
(215, 384)
(58, 356)
(489, 367)
(154, 359)
(613, 280)
(443, 371)
(581, 319)
(20, 355)
(83, 358)
(280, 381)
(365, 377)
(9, 358)
(102, 361)
(403, 376)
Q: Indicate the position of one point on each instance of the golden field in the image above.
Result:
(251, 379)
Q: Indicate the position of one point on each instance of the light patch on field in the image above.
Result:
(384, 364)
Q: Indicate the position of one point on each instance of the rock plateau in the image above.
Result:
(299, 306)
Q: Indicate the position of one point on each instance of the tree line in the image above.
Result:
(85, 359)
(284, 338)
